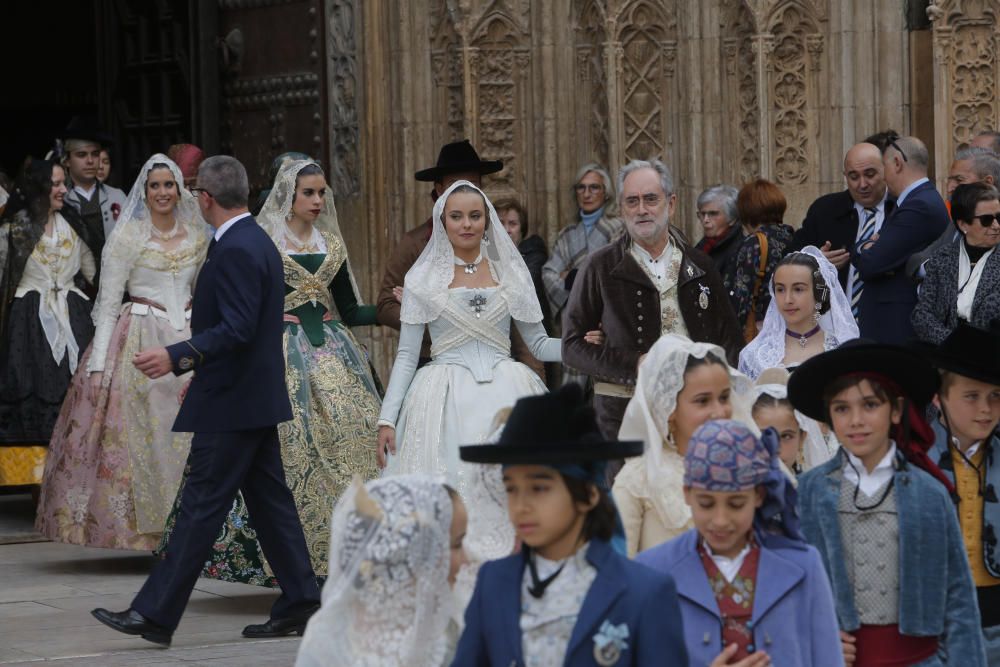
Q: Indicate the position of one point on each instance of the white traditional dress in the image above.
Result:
(453, 400)
(114, 462)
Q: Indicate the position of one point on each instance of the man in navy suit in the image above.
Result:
(233, 406)
(920, 216)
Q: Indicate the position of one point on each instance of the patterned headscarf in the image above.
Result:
(724, 455)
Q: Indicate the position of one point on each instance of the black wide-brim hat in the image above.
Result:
(85, 128)
(968, 351)
(909, 370)
(552, 429)
(457, 157)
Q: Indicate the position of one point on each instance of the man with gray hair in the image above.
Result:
(648, 283)
(233, 406)
(919, 218)
(722, 232)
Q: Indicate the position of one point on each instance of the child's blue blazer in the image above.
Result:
(624, 593)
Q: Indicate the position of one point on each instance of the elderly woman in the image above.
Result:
(720, 224)
(963, 278)
(596, 224)
(761, 209)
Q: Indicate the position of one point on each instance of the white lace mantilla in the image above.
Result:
(425, 288)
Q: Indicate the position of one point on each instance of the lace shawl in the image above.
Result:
(425, 288)
(661, 378)
(386, 602)
(768, 349)
(129, 238)
(276, 211)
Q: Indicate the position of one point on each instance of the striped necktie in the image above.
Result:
(867, 230)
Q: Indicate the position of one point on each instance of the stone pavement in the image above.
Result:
(47, 591)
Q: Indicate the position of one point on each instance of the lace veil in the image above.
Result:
(838, 325)
(278, 206)
(132, 232)
(386, 601)
(818, 448)
(661, 378)
(425, 288)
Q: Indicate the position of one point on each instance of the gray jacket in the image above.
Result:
(936, 313)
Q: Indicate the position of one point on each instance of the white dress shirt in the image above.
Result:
(729, 567)
(227, 224)
(857, 474)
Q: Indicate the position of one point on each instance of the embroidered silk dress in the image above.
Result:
(47, 326)
(335, 398)
(114, 462)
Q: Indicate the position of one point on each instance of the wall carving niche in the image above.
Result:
(966, 38)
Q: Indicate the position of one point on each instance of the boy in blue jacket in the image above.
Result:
(966, 448)
(752, 591)
(570, 597)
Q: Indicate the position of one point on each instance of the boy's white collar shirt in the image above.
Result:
(870, 482)
(729, 567)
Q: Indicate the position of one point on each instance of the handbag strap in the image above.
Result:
(759, 277)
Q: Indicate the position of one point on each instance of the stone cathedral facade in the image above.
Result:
(721, 90)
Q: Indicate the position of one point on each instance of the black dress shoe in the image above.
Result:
(280, 627)
(132, 622)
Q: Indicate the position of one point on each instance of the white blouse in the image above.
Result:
(50, 270)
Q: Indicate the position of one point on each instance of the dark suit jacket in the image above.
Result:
(890, 296)
(623, 596)
(236, 347)
(936, 314)
(832, 218)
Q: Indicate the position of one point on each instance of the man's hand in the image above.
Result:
(154, 362)
(839, 258)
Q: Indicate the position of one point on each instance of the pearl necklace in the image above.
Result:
(307, 247)
(803, 338)
(470, 267)
(166, 236)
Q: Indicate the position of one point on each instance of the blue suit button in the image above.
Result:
(751, 648)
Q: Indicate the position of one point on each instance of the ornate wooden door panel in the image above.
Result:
(273, 82)
(145, 74)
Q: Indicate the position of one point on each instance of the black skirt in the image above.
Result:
(32, 385)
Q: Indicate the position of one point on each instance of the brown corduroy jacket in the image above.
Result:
(613, 292)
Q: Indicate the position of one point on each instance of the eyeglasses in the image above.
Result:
(651, 201)
(987, 219)
(589, 187)
(197, 192)
(892, 142)
(708, 214)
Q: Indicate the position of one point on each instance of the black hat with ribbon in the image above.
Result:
(557, 429)
(455, 158)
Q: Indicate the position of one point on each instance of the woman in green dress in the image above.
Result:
(334, 391)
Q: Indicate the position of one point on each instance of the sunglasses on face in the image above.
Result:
(987, 219)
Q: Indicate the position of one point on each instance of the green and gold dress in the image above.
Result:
(336, 398)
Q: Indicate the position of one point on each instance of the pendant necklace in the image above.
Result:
(803, 338)
(166, 236)
(470, 267)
